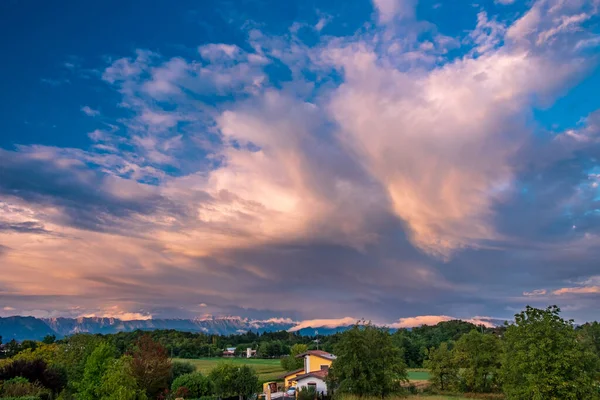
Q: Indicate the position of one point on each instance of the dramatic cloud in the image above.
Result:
(384, 170)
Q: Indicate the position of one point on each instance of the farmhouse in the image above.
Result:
(229, 352)
(316, 368)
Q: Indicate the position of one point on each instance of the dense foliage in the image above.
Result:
(292, 362)
(367, 363)
(232, 380)
(195, 384)
(540, 356)
(543, 359)
(91, 367)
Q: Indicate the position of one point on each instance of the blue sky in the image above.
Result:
(384, 159)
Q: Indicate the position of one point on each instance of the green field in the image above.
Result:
(418, 374)
(268, 370)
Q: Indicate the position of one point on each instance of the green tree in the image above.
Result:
(367, 363)
(222, 377)
(95, 367)
(49, 339)
(590, 335)
(179, 368)
(290, 362)
(47, 352)
(197, 385)
(543, 359)
(442, 367)
(118, 382)
(73, 355)
(245, 382)
(413, 349)
(479, 356)
(231, 380)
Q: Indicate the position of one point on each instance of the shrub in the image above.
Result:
(179, 368)
(21, 387)
(307, 393)
(197, 385)
(35, 371)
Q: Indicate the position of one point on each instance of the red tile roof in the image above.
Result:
(321, 374)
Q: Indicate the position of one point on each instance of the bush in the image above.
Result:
(21, 387)
(197, 385)
(307, 393)
(35, 371)
(179, 368)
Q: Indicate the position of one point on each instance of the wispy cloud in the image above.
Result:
(87, 110)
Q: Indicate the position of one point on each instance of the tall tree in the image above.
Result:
(479, 357)
(151, 366)
(74, 353)
(118, 382)
(590, 334)
(367, 363)
(245, 382)
(543, 359)
(223, 378)
(95, 367)
(290, 362)
(442, 367)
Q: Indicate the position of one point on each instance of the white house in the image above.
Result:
(313, 379)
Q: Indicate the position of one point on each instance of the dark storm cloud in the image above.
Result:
(80, 191)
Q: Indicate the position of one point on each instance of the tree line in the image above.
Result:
(539, 356)
(91, 367)
(413, 342)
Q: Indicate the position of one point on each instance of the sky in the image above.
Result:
(401, 161)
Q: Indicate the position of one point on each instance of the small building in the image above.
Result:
(314, 373)
(229, 352)
(250, 352)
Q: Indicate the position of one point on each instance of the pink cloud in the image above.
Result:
(324, 323)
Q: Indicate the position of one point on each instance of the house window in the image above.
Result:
(312, 385)
(324, 367)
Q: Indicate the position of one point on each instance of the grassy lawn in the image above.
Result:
(418, 374)
(268, 370)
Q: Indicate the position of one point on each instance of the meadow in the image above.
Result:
(267, 369)
(270, 369)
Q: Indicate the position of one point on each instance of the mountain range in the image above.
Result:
(24, 328)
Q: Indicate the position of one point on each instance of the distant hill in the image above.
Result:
(23, 328)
